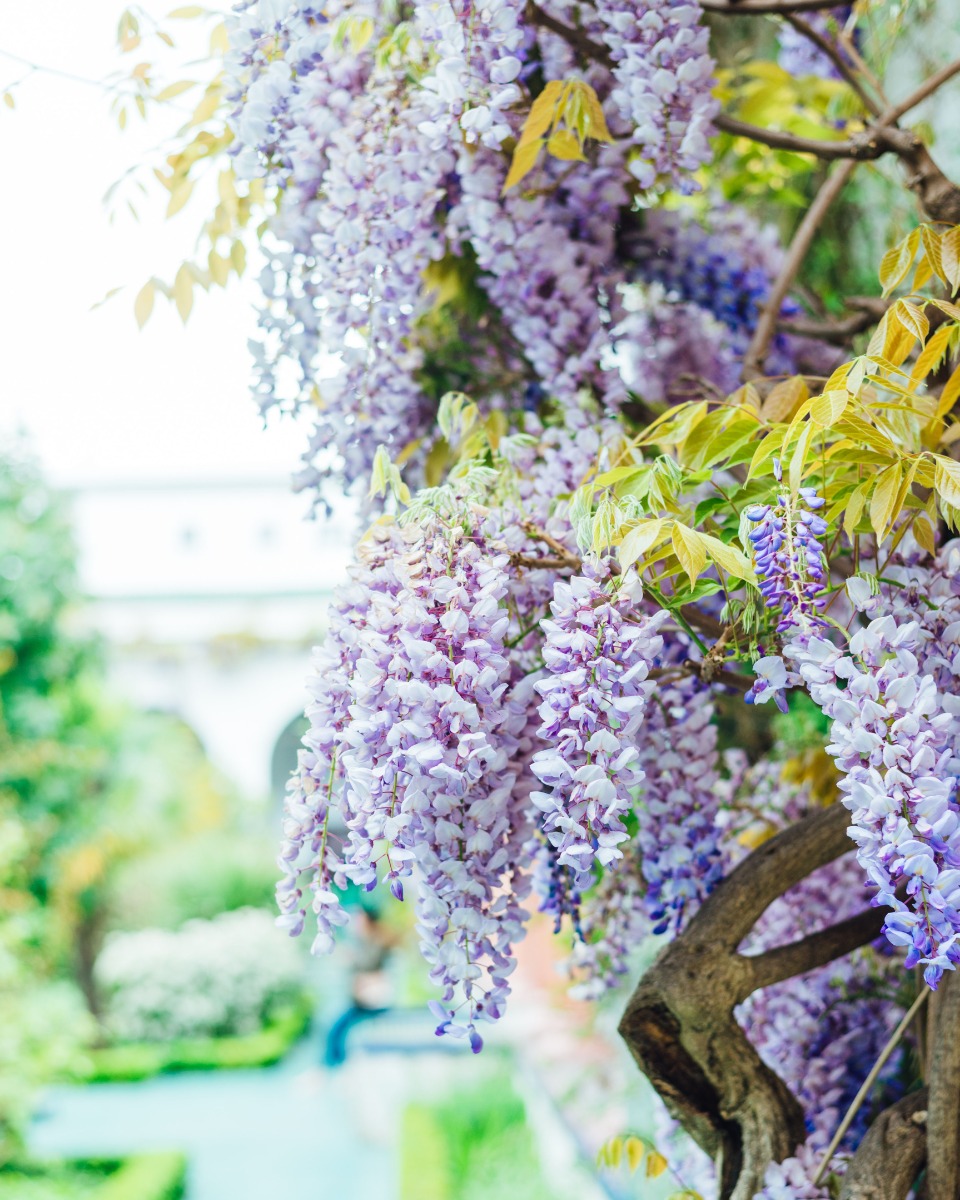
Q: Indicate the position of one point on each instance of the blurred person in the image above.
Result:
(371, 988)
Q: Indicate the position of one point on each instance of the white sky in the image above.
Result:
(101, 400)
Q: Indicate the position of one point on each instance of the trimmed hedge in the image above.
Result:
(471, 1146)
(141, 1060)
(158, 1176)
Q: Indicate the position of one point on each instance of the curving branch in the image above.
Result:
(800, 245)
(737, 8)
(943, 1120)
(814, 951)
(840, 61)
(679, 1023)
(892, 1153)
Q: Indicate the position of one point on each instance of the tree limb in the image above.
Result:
(892, 1153)
(574, 37)
(806, 231)
(943, 1120)
(679, 1023)
(735, 8)
(822, 947)
(837, 57)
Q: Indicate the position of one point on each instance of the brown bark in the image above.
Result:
(892, 1153)
(679, 1023)
(943, 1120)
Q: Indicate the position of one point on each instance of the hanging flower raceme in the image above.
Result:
(678, 838)
(664, 85)
(895, 737)
(477, 64)
(415, 739)
(598, 651)
(790, 565)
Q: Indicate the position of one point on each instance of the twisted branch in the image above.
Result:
(679, 1023)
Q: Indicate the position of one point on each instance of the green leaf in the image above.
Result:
(771, 445)
(691, 552)
(731, 558)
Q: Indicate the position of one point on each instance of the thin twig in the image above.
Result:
(937, 79)
(777, 139)
(735, 8)
(767, 324)
(572, 36)
(837, 57)
(868, 1083)
(40, 68)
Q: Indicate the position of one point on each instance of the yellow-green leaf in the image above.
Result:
(784, 399)
(656, 1164)
(9, 100)
(950, 256)
(897, 262)
(179, 196)
(854, 510)
(827, 409)
(186, 12)
(771, 445)
(731, 558)
(947, 480)
(541, 114)
(688, 545)
(143, 305)
(564, 145)
(949, 395)
(524, 160)
(932, 354)
(883, 498)
(183, 291)
(798, 459)
(635, 1152)
(913, 319)
(172, 90)
(638, 540)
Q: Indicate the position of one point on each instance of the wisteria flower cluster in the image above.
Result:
(894, 739)
(664, 81)
(594, 698)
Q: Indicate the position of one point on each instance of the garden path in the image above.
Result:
(290, 1132)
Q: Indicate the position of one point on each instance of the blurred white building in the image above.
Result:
(210, 594)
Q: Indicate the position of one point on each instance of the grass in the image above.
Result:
(475, 1146)
(142, 1177)
(142, 1060)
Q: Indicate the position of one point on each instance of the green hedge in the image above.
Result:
(160, 1176)
(147, 1177)
(474, 1146)
(141, 1060)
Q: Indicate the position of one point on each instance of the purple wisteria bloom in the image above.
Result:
(663, 76)
(788, 557)
(598, 652)
(895, 739)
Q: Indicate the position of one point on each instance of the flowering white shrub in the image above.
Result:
(209, 978)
